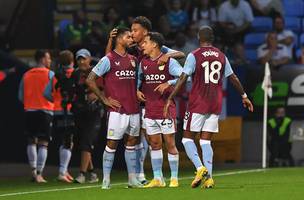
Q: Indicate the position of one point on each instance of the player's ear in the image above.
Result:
(154, 45)
(145, 32)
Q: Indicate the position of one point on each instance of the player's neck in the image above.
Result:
(119, 49)
(155, 54)
(205, 44)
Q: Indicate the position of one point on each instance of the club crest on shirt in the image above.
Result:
(111, 132)
(161, 67)
(133, 63)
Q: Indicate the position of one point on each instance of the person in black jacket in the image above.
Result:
(86, 109)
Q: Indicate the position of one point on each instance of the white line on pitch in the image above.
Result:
(118, 184)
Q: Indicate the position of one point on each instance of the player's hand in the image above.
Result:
(162, 87)
(163, 59)
(113, 33)
(247, 104)
(141, 96)
(166, 108)
(112, 103)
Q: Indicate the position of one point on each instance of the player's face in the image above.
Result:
(138, 33)
(148, 45)
(46, 61)
(84, 63)
(280, 113)
(127, 39)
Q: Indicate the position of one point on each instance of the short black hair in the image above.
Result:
(158, 38)
(206, 34)
(120, 31)
(144, 22)
(40, 53)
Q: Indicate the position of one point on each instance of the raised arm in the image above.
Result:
(169, 53)
(110, 41)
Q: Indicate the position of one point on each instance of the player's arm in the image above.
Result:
(175, 70)
(237, 85)
(21, 91)
(110, 41)
(169, 53)
(102, 67)
(188, 70)
(140, 76)
(48, 90)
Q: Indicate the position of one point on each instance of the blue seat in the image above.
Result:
(293, 23)
(301, 42)
(253, 40)
(294, 8)
(298, 53)
(251, 54)
(261, 24)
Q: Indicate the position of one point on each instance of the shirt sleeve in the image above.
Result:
(248, 12)
(164, 49)
(260, 52)
(48, 91)
(289, 33)
(140, 76)
(51, 74)
(222, 14)
(102, 67)
(284, 52)
(175, 69)
(228, 68)
(189, 66)
(21, 91)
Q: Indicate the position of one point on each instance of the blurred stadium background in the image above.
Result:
(26, 25)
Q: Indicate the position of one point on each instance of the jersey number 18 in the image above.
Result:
(215, 68)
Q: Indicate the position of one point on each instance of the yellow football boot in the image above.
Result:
(201, 173)
(155, 183)
(209, 183)
(173, 182)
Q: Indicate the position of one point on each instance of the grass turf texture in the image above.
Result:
(287, 184)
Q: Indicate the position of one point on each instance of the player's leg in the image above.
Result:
(41, 159)
(155, 139)
(31, 149)
(169, 129)
(44, 124)
(115, 131)
(65, 151)
(130, 140)
(107, 162)
(210, 127)
(192, 124)
(141, 151)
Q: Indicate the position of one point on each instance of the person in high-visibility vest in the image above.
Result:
(38, 112)
(60, 91)
(279, 143)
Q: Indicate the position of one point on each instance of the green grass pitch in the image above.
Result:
(281, 183)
